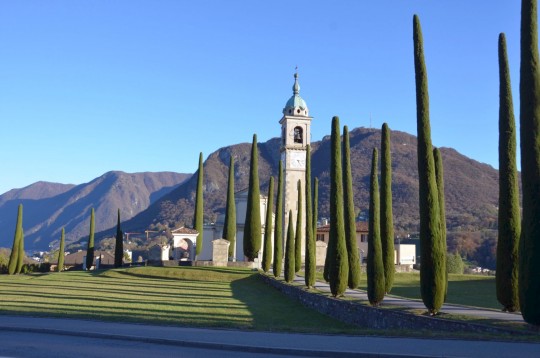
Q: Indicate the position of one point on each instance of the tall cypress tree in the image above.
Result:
(289, 251)
(61, 254)
(529, 114)
(90, 248)
(375, 267)
(432, 256)
(439, 175)
(315, 206)
(350, 219)
(252, 227)
(310, 238)
(298, 233)
(267, 253)
(119, 244)
(338, 268)
(14, 257)
(387, 218)
(229, 228)
(20, 259)
(278, 229)
(198, 217)
(506, 277)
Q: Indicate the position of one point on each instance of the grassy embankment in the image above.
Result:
(185, 296)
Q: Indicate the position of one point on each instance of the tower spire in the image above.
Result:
(296, 87)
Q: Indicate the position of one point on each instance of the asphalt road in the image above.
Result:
(51, 337)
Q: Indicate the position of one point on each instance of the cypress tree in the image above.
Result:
(289, 251)
(375, 267)
(506, 277)
(432, 268)
(14, 256)
(90, 248)
(529, 114)
(439, 175)
(338, 268)
(229, 228)
(278, 229)
(298, 235)
(119, 244)
(387, 218)
(350, 220)
(267, 253)
(315, 206)
(252, 227)
(310, 238)
(198, 218)
(20, 259)
(61, 255)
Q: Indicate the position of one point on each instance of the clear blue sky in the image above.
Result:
(92, 86)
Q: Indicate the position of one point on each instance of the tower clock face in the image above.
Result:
(298, 160)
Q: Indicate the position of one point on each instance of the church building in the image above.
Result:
(295, 136)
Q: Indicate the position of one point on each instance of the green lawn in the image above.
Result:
(186, 296)
(468, 290)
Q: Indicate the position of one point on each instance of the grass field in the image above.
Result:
(468, 290)
(186, 296)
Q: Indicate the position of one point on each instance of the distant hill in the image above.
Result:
(50, 206)
(471, 187)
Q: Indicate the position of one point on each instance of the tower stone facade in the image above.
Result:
(295, 136)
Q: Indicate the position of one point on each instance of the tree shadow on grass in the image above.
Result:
(272, 311)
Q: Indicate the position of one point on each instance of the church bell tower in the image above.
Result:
(295, 136)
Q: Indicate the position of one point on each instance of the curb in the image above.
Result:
(214, 345)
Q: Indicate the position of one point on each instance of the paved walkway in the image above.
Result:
(418, 304)
(266, 343)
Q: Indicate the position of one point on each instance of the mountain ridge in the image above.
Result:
(50, 206)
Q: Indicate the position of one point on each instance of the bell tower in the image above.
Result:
(295, 136)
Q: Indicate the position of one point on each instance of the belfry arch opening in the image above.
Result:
(298, 135)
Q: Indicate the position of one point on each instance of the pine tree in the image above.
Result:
(387, 218)
(509, 212)
(90, 248)
(310, 238)
(432, 266)
(198, 218)
(439, 175)
(267, 252)
(229, 228)
(289, 251)
(349, 215)
(119, 244)
(278, 229)
(61, 254)
(252, 227)
(338, 268)
(375, 267)
(14, 257)
(298, 233)
(529, 114)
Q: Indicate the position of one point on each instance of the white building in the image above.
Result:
(215, 231)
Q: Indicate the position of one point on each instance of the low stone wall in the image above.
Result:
(378, 318)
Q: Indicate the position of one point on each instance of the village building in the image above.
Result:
(77, 260)
(404, 254)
